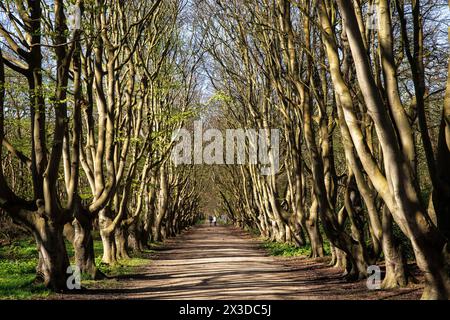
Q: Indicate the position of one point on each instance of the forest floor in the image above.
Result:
(224, 262)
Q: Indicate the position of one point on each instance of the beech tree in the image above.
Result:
(102, 82)
(44, 213)
(91, 93)
(331, 76)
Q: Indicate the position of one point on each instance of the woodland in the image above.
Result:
(91, 92)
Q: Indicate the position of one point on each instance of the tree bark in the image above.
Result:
(53, 259)
(428, 244)
(396, 267)
(107, 235)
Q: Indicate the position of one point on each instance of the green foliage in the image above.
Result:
(20, 249)
(122, 267)
(404, 243)
(221, 96)
(24, 266)
(18, 268)
(178, 117)
(290, 250)
(21, 286)
(254, 231)
(18, 271)
(326, 247)
(285, 249)
(199, 222)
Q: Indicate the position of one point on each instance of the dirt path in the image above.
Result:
(226, 263)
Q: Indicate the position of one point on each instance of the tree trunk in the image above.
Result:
(312, 227)
(402, 198)
(121, 240)
(396, 272)
(441, 195)
(162, 206)
(53, 259)
(107, 235)
(359, 252)
(341, 261)
(157, 236)
(83, 244)
(135, 236)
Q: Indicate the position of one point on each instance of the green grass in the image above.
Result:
(200, 222)
(285, 249)
(253, 231)
(18, 268)
(326, 247)
(123, 267)
(18, 271)
(290, 250)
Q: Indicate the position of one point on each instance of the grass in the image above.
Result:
(123, 267)
(18, 269)
(285, 249)
(200, 222)
(253, 231)
(290, 250)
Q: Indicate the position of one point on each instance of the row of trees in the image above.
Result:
(90, 93)
(360, 91)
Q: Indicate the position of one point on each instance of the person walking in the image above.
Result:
(214, 221)
(210, 220)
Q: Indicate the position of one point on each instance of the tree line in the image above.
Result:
(361, 93)
(90, 93)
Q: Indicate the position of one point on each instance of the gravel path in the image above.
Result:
(224, 262)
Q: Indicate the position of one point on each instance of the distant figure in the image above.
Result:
(215, 221)
(210, 220)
